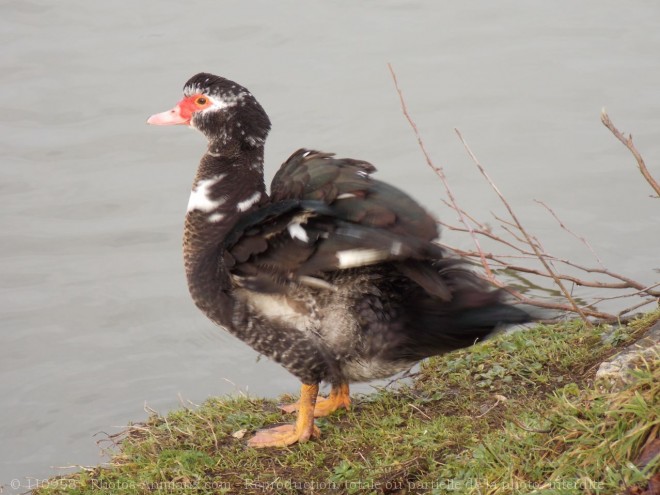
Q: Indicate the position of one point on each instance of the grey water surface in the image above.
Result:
(95, 318)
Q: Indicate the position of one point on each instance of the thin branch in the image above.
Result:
(504, 222)
(626, 281)
(628, 143)
(578, 237)
(568, 278)
(470, 217)
(527, 247)
(631, 283)
(569, 308)
(638, 293)
(439, 171)
(485, 233)
(529, 239)
(637, 306)
(513, 234)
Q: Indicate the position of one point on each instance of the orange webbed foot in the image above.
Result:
(303, 429)
(282, 436)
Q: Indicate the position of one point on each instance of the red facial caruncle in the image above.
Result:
(183, 112)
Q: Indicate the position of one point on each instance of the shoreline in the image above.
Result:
(519, 413)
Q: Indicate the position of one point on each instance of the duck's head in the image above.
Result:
(224, 111)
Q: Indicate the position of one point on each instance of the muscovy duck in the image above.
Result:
(334, 275)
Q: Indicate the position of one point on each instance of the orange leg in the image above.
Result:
(339, 397)
(301, 431)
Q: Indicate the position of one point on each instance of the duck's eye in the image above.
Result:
(201, 101)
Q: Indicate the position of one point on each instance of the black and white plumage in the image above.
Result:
(334, 275)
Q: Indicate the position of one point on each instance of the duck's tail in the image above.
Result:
(470, 312)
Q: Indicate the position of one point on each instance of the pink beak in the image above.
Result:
(171, 117)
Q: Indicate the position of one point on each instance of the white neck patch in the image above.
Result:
(246, 204)
(200, 198)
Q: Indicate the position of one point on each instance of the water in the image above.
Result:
(95, 315)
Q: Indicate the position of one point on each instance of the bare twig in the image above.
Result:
(578, 237)
(485, 233)
(527, 247)
(637, 306)
(628, 143)
(512, 234)
(638, 293)
(439, 172)
(569, 308)
(626, 283)
(467, 215)
(529, 238)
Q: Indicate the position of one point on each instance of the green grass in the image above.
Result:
(516, 414)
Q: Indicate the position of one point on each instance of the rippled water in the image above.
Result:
(95, 314)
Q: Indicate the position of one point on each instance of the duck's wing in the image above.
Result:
(328, 214)
(347, 186)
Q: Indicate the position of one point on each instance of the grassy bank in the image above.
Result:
(517, 414)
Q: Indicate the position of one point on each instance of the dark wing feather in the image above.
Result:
(318, 176)
(347, 186)
(328, 214)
